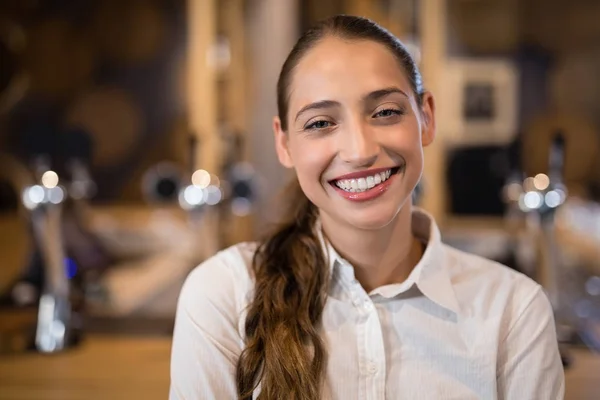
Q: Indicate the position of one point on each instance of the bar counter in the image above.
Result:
(103, 367)
(119, 367)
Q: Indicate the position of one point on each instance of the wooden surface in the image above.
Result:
(102, 368)
(138, 368)
(14, 247)
(583, 379)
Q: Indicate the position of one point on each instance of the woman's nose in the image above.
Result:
(358, 146)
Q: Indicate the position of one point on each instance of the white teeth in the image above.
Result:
(370, 182)
(362, 184)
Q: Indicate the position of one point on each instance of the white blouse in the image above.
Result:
(460, 327)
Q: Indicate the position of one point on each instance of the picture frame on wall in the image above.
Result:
(479, 102)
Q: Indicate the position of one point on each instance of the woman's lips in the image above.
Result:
(367, 186)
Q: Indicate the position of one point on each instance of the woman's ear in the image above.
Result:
(428, 125)
(281, 144)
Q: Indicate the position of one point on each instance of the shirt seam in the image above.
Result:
(520, 315)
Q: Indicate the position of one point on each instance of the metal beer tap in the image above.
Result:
(538, 198)
(194, 190)
(77, 151)
(242, 180)
(554, 196)
(54, 328)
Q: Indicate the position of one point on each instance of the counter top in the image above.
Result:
(102, 368)
(117, 367)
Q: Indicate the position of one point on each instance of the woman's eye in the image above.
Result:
(319, 125)
(388, 112)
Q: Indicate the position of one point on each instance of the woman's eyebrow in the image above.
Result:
(378, 94)
(319, 105)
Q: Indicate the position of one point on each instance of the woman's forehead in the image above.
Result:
(346, 69)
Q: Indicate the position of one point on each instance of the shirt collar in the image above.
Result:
(430, 275)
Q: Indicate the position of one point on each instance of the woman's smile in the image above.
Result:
(365, 185)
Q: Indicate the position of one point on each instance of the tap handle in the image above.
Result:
(38, 142)
(54, 314)
(233, 150)
(514, 154)
(193, 151)
(77, 144)
(556, 161)
(77, 149)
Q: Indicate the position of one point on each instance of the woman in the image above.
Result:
(355, 297)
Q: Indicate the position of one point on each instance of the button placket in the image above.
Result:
(374, 364)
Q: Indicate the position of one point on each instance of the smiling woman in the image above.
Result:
(355, 296)
(356, 103)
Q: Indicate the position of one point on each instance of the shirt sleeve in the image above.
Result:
(206, 341)
(529, 363)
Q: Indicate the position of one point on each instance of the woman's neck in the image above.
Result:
(379, 257)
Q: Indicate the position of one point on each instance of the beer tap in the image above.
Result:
(200, 197)
(55, 323)
(86, 255)
(554, 196)
(200, 189)
(194, 190)
(552, 274)
(77, 154)
(241, 178)
(538, 198)
(515, 214)
(36, 147)
(190, 187)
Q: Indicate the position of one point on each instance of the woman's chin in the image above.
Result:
(372, 223)
(371, 218)
(366, 215)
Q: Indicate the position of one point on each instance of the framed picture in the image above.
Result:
(479, 103)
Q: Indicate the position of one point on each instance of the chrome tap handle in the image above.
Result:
(54, 314)
(77, 151)
(551, 275)
(556, 159)
(82, 186)
(44, 200)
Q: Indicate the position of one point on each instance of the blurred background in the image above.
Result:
(135, 142)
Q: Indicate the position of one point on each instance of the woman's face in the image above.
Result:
(355, 132)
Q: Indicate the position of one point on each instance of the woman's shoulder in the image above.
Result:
(224, 277)
(236, 259)
(487, 286)
(483, 269)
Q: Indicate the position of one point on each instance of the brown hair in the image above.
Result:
(284, 351)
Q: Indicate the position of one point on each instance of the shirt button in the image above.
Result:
(372, 368)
